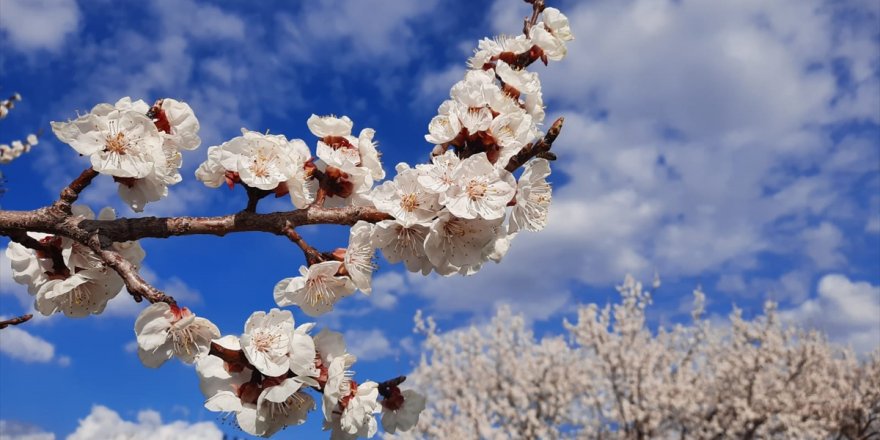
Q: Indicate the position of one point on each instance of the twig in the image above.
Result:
(542, 148)
(71, 192)
(311, 254)
(537, 8)
(137, 286)
(15, 321)
(254, 196)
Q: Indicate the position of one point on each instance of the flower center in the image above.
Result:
(183, 339)
(116, 143)
(264, 341)
(454, 228)
(318, 291)
(295, 403)
(409, 202)
(262, 163)
(476, 189)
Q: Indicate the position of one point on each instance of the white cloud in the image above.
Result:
(387, 35)
(822, 245)
(130, 347)
(124, 306)
(15, 430)
(385, 288)
(693, 144)
(848, 311)
(38, 24)
(103, 423)
(368, 345)
(23, 346)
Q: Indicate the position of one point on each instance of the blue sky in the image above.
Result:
(731, 144)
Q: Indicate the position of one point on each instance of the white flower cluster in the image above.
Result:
(345, 169)
(139, 145)
(449, 216)
(263, 375)
(8, 104)
(16, 148)
(66, 276)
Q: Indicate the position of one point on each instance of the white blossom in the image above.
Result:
(521, 80)
(261, 408)
(263, 161)
(533, 197)
(164, 331)
(406, 199)
(445, 126)
(211, 171)
(438, 176)
(316, 290)
(360, 255)
(369, 154)
(406, 416)
(480, 189)
(324, 126)
(120, 143)
(266, 341)
(399, 242)
(455, 243)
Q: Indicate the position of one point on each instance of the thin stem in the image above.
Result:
(71, 192)
(311, 254)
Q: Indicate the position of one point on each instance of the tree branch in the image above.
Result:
(15, 321)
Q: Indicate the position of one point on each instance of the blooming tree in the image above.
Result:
(614, 378)
(450, 216)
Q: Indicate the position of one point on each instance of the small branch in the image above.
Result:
(537, 9)
(15, 321)
(541, 149)
(71, 192)
(137, 286)
(254, 196)
(311, 254)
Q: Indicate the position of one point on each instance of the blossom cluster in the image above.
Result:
(66, 276)
(137, 144)
(263, 375)
(11, 151)
(8, 104)
(449, 216)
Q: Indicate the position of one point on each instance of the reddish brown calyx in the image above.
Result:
(234, 360)
(127, 181)
(231, 179)
(343, 402)
(392, 398)
(179, 312)
(157, 114)
(336, 184)
(337, 142)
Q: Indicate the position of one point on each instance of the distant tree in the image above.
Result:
(612, 377)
